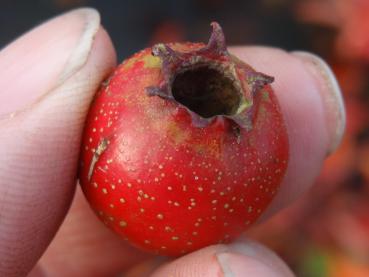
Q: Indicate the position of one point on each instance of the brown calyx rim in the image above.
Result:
(208, 83)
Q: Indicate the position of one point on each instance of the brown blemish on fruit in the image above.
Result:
(100, 149)
(212, 148)
(262, 115)
(176, 134)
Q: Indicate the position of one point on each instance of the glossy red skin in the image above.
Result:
(170, 187)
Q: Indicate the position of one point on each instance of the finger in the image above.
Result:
(83, 246)
(48, 78)
(242, 258)
(312, 105)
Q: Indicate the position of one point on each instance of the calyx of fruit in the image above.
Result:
(209, 81)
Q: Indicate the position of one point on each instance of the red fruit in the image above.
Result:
(184, 146)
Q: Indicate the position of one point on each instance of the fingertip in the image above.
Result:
(243, 258)
(41, 131)
(235, 264)
(249, 258)
(330, 92)
(301, 90)
(59, 45)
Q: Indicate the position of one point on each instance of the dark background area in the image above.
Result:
(132, 24)
(326, 233)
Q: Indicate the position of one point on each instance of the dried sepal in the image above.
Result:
(216, 58)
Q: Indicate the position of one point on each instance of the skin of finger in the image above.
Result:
(38, 161)
(243, 258)
(34, 47)
(301, 104)
(83, 246)
(199, 263)
(145, 268)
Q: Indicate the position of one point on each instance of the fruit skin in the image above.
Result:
(164, 180)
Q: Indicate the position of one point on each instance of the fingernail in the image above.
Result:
(248, 258)
(44, 58)
(234, 265)
(331, 96)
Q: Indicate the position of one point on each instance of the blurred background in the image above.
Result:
(326, 233)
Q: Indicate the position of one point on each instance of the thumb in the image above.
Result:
(48, 78)
(242, 258)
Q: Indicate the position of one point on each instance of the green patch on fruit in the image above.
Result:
(262, 115)
(243, 105)
(151, 61)
(265, 96)
(130, 62)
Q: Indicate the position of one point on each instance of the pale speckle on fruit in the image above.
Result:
(168, 229)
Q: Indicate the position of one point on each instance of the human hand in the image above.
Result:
(48, 79)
